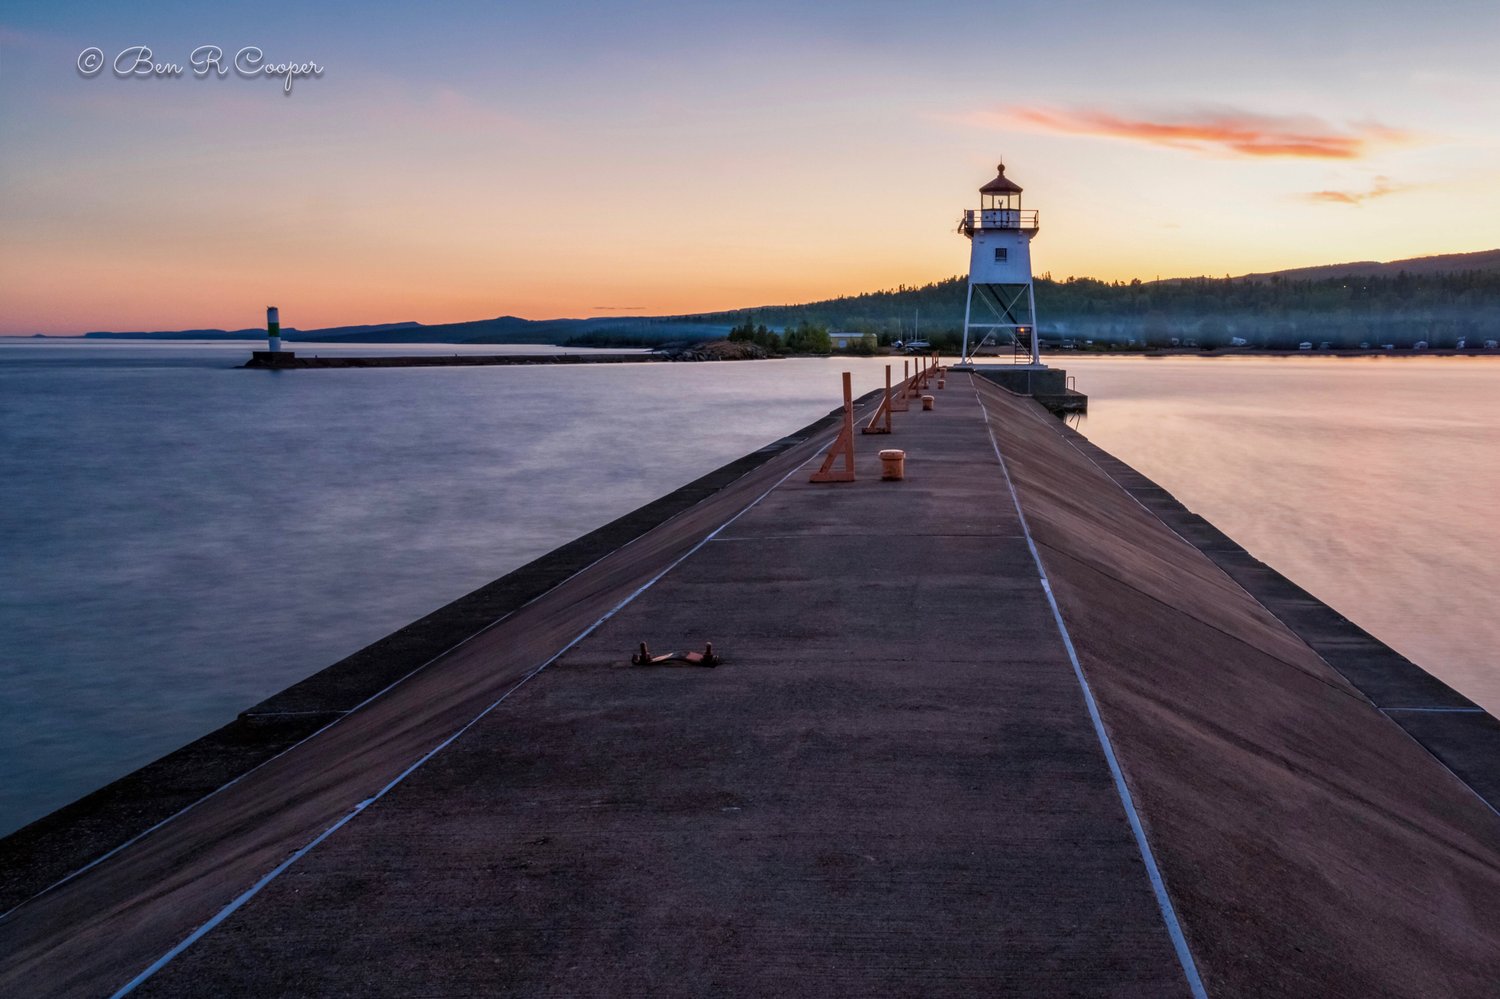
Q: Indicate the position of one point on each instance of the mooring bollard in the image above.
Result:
(893, 464)
(927, 401)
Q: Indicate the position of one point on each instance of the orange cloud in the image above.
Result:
(1381, 189)
(1240, 133)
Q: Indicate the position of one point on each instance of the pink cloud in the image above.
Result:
(1381, 188)
(1225, 130)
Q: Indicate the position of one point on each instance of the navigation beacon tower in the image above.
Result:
(1000, 306)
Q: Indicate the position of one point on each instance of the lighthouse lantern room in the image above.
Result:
(1000, 309)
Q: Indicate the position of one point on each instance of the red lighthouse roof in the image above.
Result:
(1001, 184)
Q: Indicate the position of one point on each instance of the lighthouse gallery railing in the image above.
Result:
(997, 218)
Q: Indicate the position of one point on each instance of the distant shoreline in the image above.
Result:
(1400, 352)
(290, 361)
(719, 350)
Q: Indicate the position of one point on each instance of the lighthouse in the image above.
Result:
(1000, 307)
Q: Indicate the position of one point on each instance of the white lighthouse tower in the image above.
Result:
(1000, 308)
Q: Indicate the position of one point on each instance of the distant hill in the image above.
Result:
(290, 333)
(1447, 263)
(615, 331)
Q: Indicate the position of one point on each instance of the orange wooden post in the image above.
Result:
(885, 402)
(898, 401)
(884, 410)
(843, 444)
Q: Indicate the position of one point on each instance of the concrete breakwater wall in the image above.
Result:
(1013, 724)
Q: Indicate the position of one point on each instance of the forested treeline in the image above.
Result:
(1267, 312)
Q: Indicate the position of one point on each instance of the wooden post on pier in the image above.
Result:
(884, 411)
(898, 397)
(843, 444)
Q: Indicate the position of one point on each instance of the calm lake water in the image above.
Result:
(179, 538)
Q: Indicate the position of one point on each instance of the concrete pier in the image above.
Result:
(1014, 725)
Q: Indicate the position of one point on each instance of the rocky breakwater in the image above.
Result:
(714, 350)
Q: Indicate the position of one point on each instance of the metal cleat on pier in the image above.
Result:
(704, 658)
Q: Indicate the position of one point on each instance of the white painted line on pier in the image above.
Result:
(1158, 886)
(276, 872)
(1454, 711)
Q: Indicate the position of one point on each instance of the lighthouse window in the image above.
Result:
(1000, 253)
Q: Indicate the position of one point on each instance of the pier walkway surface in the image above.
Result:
(995, 729)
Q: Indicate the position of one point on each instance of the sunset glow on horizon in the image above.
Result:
(596, 159)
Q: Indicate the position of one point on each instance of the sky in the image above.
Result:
(458, 161)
